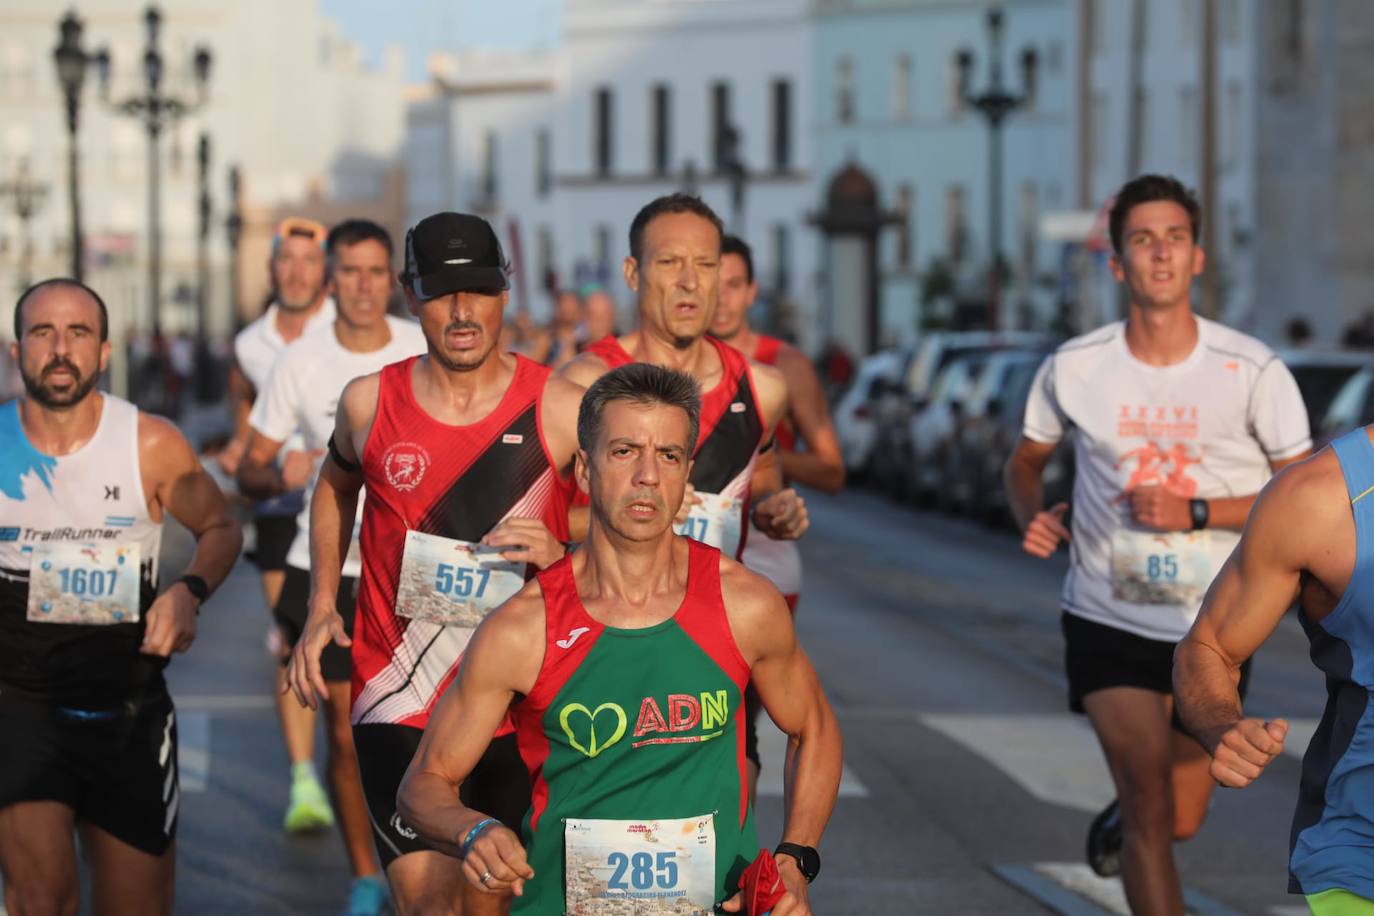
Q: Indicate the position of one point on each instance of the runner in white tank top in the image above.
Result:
(85, 718)
(1177, 423)
(302, 395)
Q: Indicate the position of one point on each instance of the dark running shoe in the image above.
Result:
(1104, 841)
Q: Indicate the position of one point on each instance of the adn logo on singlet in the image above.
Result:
(592, 731)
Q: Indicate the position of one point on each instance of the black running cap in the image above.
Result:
(453, 252)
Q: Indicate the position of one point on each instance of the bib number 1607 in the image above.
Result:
(92, 583)
(461, 581)
(644, 871)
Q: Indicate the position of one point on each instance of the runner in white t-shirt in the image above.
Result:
(301, 397)
(1178, 422)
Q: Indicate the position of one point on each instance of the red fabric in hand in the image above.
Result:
(761, 884)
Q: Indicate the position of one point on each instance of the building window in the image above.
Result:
(844, 90)
(956, 225)
(602, 254)
(1104, 12)
(1232, 119)
(906, 210)
(782, 125)
(1288, 41)
(782, 257)
(954, 85)
(490, 160)
(661, 119)
(1189, 124)
(1229, 16)
(543, 162)
(723, 141)
(603, 153)
(901, 88)
(548, 266)
(1029, 217)
(1101, 131)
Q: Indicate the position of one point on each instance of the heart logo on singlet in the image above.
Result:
(592, 747)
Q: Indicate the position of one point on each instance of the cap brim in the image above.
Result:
(459, 279)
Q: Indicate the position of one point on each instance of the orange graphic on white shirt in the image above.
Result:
(1156, 467)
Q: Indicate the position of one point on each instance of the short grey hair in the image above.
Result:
(642, 383)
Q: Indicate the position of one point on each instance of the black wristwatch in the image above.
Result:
(197, 586)
(808, 859)
(1200, 511)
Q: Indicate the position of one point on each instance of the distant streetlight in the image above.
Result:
(733, 168)
(71, 60)
(26, 197)
(156, 110)
(995, 104)
(233, 231)
(203, 239)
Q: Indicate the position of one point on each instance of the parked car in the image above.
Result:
(932, 429)
(972, 447)
(1321, 375)
(1352, 407)
(855, 413)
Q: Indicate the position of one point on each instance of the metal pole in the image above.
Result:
(202, 246)
(74, 193)
(154, 232)
(995, 223)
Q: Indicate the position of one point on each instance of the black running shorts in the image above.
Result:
(274, 536)
(499, 786)
(116, 769)
(293, 607)
(1097, 657)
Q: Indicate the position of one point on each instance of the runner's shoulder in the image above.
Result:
(518, 624)
(583, 369)
(358, 401)
(1089, 346)
(161, 440)
(1249, 354)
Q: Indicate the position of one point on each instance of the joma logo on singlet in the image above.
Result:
(592, 731)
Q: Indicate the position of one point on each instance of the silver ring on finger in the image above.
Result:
(486, 876)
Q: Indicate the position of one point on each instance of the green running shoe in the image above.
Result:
(309, 810)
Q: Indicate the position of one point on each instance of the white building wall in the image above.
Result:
(934, 146)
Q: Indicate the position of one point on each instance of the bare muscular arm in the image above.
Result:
(821, 466)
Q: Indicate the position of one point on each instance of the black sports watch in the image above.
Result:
(1199, 510)
(197, 586)
(808, 859)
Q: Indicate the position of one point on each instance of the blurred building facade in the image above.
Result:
(888, 110)
(642, 99)
(290, 103)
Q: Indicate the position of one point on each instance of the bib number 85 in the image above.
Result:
(644, 871)
(460, 581)
(88, 583)
(1162, 567)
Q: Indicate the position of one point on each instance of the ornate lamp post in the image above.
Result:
(26, 196)
(995, 104)
(156, 109)
(233, 231)
(71, 61)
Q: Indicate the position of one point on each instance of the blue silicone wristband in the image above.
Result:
(475, 832)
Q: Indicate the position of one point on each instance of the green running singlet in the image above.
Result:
(635, 725)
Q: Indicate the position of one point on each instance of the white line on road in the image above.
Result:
(228, 702)
(773, 752)
(193, 749)
(1055, 758)
(1106, 894)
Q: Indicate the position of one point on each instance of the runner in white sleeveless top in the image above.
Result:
(1178, 422)
(301, 306)
(302, 395)
(89, 732)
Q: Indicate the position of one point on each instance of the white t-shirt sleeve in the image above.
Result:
(276, 411)
(1045, 421)
(1278, 415)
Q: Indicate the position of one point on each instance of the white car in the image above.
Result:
(856, 424)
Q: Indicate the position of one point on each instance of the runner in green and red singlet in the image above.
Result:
(630, 718)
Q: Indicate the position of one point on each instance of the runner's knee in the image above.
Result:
(41, 898)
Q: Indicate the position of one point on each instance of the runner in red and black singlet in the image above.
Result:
(630, 719)
(673, 269)
(466, 454)
(732, 429)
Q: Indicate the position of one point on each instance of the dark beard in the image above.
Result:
(54, 400)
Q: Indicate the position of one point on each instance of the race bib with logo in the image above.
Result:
(84, 583)
(1161, 567)
(451, 582)
(716, 521)
(643, 867)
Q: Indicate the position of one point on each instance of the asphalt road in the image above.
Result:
(968, 785)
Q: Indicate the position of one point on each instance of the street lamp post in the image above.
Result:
(156, 109)
(71, 61)
(233, 230)
(26, 196)
(995, 104)
(203, 241)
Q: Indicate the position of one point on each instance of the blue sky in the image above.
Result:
(422, 26)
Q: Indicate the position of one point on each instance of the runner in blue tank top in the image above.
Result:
(1310, 536)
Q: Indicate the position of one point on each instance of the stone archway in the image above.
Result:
(851, 302)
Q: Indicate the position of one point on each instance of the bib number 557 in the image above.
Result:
(644, 869)
(460, 581)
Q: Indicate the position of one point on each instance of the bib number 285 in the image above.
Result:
(644, 871)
